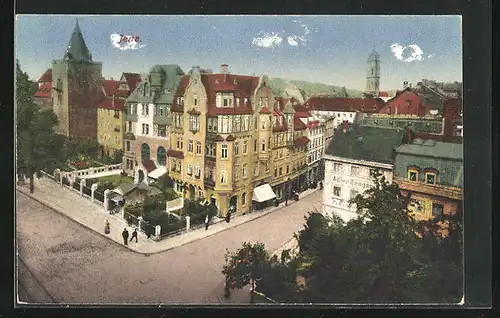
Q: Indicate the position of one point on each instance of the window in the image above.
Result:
(412, 174)
(337, 191)
(225, 124)
(198, 147)
(236, 148)
(437, 209)
(190, 146)
(246, 101)
(354, 171)
(211, 150)
(287, 169)
(143, 129)
(127, 145)
(223, 151)
(245, 147)
(255, 145)
(197, 171)
(244, 170)
(189, 169)
(281, 153)
(194, 122)
(162, 130)
(267, 166)
(389, 110)
(354, 193)
(243, 198)
(162, 111)
(195, 102)
(147, 129)
(146, 110)
(263, 123)
(237, 102)
(225, 102)
(275, 172)
(129, 126)
(269, 143)
(145, 152)
(162, 156)
(263, 145)
(337, 167)
(223, 176)
(237, 123)
(256, 169)
(281, 171)
(430, 178)
(260, 101)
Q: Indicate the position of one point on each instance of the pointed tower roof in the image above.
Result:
(77, 50)
(373, 55)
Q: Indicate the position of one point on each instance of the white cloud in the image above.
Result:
(401, 52)
(115, 42)
(430, 56)
(292, 40)
(267, 40)
(274, 39)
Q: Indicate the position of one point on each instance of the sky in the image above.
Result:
(324, 49)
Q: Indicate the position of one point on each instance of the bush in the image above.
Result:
(106, 185)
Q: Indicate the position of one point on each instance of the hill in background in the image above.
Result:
(303, 90)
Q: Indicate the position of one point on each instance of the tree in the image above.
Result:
(118, 156)
(38, 146)
(383, 256)
(245, 266)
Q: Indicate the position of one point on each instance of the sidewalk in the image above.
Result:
(93, 216)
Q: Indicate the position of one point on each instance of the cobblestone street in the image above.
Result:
(76, 265)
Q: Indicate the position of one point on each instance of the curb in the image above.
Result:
(147, 254)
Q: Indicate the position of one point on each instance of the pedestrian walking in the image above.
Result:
(125, 236)
(148, 232)
(106, 227)
(228, 216)
(206, 222)
(134, 235)
(286, 199)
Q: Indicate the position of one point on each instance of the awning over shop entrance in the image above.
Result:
(263, 193)
(155, 174)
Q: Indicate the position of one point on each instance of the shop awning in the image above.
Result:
(263, 193)
(155, 174)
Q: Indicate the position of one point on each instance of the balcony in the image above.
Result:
(162, 120)
(432, 189)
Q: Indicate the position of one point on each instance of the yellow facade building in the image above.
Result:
(223, 133)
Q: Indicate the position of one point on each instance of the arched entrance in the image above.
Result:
(145, 152)
(161, 156)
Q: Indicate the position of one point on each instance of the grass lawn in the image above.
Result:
(116, 179)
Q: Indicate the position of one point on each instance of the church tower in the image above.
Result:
(373, 74)
(77, 87)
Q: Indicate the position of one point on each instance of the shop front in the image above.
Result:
(263, 196)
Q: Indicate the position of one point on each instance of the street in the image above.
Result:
(76, 265)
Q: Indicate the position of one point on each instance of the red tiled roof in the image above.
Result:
(133, 79)
(301, 141)
(121, 93)
(45, 90)
(365, 105)
(302, 114)
(264, 110)
(109, 87)
(149, 165)
(118, 104)
(277, 112)
(298, 124)
(230, 138)
(175, 153)
(47, 76)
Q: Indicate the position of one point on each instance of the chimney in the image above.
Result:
(224, 69)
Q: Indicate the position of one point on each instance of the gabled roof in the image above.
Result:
(132, 79)
(364, 105)
(45, 90)
(117, 104)
(46, 77)
(366, 143)
(77, 49)
(109, 87)
(301, 141)
(298, 124)
(433, 148)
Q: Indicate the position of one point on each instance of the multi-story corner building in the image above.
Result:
(76, 86)
(353, 153)
(147, 119)
(433, 172)
(43, 95)
(343, 109)
(110, 112)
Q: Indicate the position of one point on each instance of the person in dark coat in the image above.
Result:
(125, 236)
(134, 235)
(228, 216)
(148, 232)
(207, 221)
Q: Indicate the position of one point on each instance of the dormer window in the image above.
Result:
(237, 102)
(246, 100)
(182, 100)
(389, 110)
(216, 81)
(260, 101)
(225, 102)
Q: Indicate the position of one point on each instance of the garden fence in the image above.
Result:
(99, 196)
